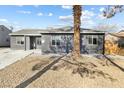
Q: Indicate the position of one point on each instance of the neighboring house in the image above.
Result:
(57, 40)
(4, 36)
(117, 38)
(114, 42)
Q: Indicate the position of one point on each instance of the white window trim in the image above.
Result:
(92, 36)
(54, 38)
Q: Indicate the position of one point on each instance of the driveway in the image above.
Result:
(8, 56)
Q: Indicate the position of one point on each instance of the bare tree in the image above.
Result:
(77, 23)
(112, 10)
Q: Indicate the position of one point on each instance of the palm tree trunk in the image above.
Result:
(77, 22)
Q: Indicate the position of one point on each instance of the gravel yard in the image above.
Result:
(93, 71)
(64, 77)
(14, 74)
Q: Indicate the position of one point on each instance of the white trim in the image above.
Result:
(92, 36)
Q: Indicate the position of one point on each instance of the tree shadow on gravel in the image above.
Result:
(37, 75)
(85, 69)
(116, 65)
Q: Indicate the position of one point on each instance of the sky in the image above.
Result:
(46, 16)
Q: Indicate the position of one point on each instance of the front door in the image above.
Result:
(32, 43)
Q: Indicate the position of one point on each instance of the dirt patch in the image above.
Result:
(42, 63)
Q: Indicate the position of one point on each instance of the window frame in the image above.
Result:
(39, 41)
(56, 39)
(19, 40)
(92, 37)
(54, 42)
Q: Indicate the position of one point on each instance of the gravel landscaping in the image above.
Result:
(20, 71)
(87, 71)
(97, 72)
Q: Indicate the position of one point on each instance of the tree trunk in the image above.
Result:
(77, 22)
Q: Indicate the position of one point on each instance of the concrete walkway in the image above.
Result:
(8, 56)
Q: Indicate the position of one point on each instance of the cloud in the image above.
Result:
(88, 22)
(101, 9)
(24, 12)
(87, 13)
(39, 14)
(4, 20)
(92, 8)
(50, 14)
(20, 5)
(36, 6)
(86, 18)
(66, 18)
(100, 16)
(110, 27)
(7, 23)
(66, 6)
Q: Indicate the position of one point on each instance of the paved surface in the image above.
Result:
(8, 56)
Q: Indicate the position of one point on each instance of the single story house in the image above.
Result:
(114, 43)
(116, 38)
(4, 36)
(58, 40)
(120, 38)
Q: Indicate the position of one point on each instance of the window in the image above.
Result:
(92, 40)
(7, 40)
(19, 40)
(53, 42)
(2, 29)
(22, 42)
(56, 40)
(39, 41)
(58, 43)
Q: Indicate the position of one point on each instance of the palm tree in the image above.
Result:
(77, 23)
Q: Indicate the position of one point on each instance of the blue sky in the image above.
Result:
(43, 16)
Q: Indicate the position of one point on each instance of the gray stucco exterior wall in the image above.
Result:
(38, 42)
(45, 46)
(27, 43)
(67, 44)
(59, 43)
(14, 44)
